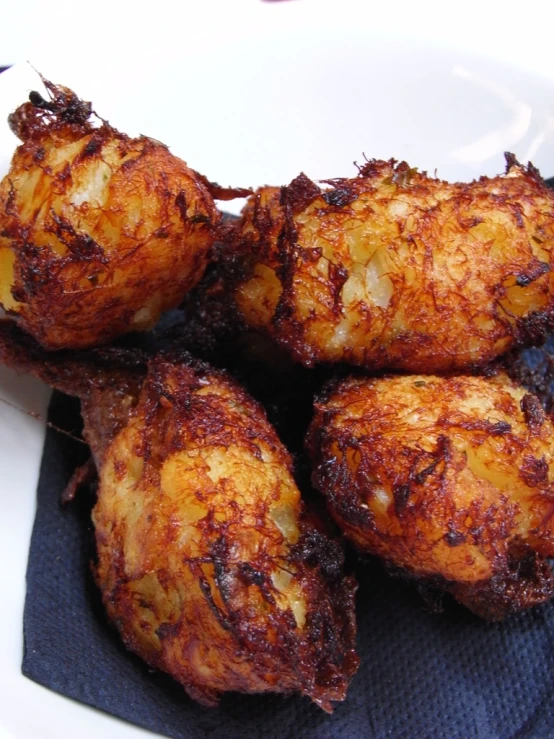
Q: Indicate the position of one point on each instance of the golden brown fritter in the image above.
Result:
(449, 479)
(395, 269)
(207, 561)
(99, 233)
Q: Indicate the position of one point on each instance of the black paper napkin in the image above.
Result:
(422, 674)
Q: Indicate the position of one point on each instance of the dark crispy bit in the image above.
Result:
(99, 233)
(207, 561)
(450, 479)
(395, 269)
(534, 369)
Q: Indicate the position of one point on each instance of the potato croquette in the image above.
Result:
(450, 479)
(396, 269)
(208, 563)
(99, 233)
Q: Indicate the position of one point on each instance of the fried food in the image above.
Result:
(99, 233)
(208, 564)
(396, 269)
(451, 479)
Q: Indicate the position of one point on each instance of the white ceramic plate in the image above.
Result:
(252, 92)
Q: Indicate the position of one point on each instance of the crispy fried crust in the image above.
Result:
(208, 564)
(450, 479)
(395, 269)
(99, 233)
(205, 561)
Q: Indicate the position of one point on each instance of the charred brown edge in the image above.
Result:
(63, 107)
(526, 581)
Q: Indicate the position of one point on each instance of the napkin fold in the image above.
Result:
(422, 674)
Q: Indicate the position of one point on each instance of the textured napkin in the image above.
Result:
(422, 674)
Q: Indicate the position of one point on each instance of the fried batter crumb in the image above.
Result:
(450, 479)
(395, 269)
(99, 233)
